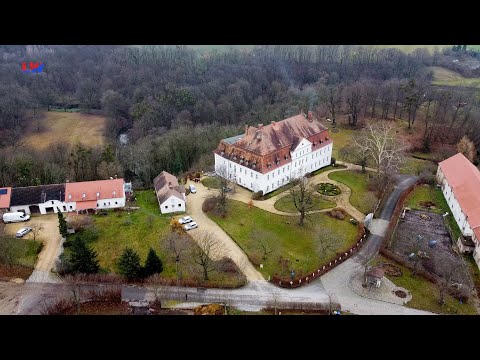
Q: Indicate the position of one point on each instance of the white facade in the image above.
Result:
(172, 204)
(457, 212)
(301, 161)
(51, 206)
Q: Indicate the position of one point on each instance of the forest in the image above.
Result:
(176, 103)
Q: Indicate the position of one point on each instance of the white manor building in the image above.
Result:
(268, 157)
(460, 181)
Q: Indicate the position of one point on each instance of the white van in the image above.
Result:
(15, 217)
(193, 189)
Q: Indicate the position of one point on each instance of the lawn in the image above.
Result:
(278, 191)
(291, 245)
(416, 166)
(446, 77)
(340, 139)
(328, 168)
(361, 198)
(211, 182)
(22, 252)
(410, 48)
(285, 203)
(425, 294)
(425, 193)
(69, 127)
(140, 230)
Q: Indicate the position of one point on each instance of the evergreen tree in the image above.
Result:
(129, 264)
(153, 264)
(62, 224)
(83, 259)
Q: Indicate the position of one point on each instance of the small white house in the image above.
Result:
(170, 195)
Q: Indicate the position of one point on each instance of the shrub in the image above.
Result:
(461, 293)
(79, 222)
(209, 204)
(197, 174)
(257, 195)
(90, 234)
(187, 190)
(337, 214)
(129, 264)
(227, 265)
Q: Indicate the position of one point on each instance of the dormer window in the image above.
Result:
(114, 194)
(84, 195)
(326, 138)
(69, 196)
(98, 194)
(254, 166)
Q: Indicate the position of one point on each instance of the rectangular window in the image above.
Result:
(71, 207)
(251, 185)
(256, 176)
(268, 177)
(283, 170)
(251, 174)
(268, 187)
(279, 172)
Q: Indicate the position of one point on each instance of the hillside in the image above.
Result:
(445, 77)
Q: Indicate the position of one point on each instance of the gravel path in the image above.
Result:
(342, 200)
(230, 248)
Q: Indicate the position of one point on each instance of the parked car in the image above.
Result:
(185, 220)
(15, 217)
(190, 226)
(193, 189)
(23, 231)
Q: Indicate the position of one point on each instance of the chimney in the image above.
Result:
(260, 126)
(246, 129)
(310, 116)
(273, 123)
(303, 113)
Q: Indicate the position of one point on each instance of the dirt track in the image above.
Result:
(50, 237)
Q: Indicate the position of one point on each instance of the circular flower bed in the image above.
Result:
(401, 294)
(328, 189)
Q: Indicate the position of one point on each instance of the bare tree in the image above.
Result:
(331, 96)
(327, 241)
(157, 283)
(208, 250)
(354, 100)
(365, 257)
(225, 188)
(264, 239)
(447, 268)
(467, 148)
(380, 143)
(36, 230)
(302, 197)
(355, 155)
(176, 244)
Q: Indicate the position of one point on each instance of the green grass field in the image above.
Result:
(424, 193)
(211, 182)
(411, 48)
(285, 203)
(445, 77)
(285, 238)
(417, 166)
(21, 252)
(140, 230)
(425, 294)
(340, 139)
(361, 198)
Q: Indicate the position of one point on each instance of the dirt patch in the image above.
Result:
(14, 271)
(401, 294)
(390, 269)
(424, 232)
(99, 308)
(210, 309)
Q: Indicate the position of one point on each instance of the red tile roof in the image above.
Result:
(84, 205)
(105, 188)
(464, 178)
(265, 148)
(5, 198)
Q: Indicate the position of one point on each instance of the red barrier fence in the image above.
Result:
(337, 260)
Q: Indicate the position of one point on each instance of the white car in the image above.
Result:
(23, 231)
(185, 220)
(190, 226)
(193, 189)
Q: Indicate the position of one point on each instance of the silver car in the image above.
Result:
(23, 231)
(190, 226)
(185, 220)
